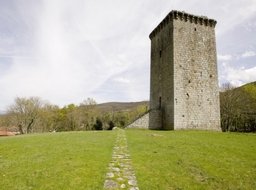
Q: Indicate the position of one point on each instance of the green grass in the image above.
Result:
(193, 159)
(72, 160)
(166, 160)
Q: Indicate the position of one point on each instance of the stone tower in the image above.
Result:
(184, 91)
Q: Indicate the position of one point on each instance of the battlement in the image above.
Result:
(183, 16)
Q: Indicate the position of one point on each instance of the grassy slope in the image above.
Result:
(76, 160)
(193, 159)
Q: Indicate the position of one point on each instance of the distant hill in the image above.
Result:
(116, 106)
(119, 106)
(250, 83)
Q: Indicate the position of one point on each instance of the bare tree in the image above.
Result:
(25, 111)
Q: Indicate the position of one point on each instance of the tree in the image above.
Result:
(26, 111)
(238, 107)
(98, 125)
(111, 125)
(72, 117)
(68, 118)
(249, 112)
(47, 118)
(88, 113)
(122, 119)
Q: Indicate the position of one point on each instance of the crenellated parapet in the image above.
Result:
(183, 16)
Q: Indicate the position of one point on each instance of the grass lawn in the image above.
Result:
(71, 160)
(193, 159)
(165, 160)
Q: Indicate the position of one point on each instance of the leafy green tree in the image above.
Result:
(123, 118)
(249, 112)
(47, 118)
(88, 111)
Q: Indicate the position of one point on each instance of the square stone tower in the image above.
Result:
(184, 90)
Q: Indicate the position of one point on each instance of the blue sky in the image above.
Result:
(67, 50)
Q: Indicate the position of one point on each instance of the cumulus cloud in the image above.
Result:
(244, 55)
(224, 57)
(239, 76)
(248, 54)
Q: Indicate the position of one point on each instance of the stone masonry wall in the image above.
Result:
(140, 123)
(155, 119)
(161, 74)
(196, 90)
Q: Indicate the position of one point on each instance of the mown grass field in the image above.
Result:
(193, 159)
(68, 160)
(161, 160)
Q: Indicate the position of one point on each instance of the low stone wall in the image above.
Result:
(140, 123)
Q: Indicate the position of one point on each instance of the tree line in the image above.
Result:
(30, 115)
(237, 109)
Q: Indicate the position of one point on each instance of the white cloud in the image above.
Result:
(227, 19)
(250, 26)
(248, 54)
(66, 51)
(225, 57)
(240, 76)
(121, 80)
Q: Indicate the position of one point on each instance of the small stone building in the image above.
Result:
(184, 91)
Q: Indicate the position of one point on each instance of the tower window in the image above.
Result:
(195, 28)
(160, 53)
(201, 73)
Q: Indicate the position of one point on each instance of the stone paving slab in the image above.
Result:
(121, 174)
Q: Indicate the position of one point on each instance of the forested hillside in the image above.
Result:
(238, 107)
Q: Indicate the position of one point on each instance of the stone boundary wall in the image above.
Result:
(142, 122)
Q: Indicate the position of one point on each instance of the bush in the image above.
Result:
(111, 125)
(98, 125)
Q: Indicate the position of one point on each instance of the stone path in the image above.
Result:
(121, 174)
